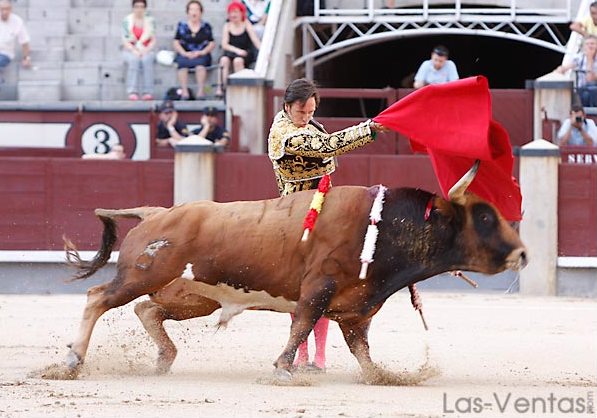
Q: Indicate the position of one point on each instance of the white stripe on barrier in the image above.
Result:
(577, 262)
(16, 256)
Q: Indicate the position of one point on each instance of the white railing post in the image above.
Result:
(539, 162)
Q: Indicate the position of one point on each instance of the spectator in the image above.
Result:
(302, 152)
(239, 42)
(116, 153)
(210, 128)
(193, 43)
(257, 11)
(138, 39)
(577, 130)
(587, 25)
(438, 69)
(170, 129)
(585, 66)
(12, 30)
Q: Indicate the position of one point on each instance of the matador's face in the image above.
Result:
(301, 113)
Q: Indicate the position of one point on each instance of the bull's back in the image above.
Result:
(247, 243)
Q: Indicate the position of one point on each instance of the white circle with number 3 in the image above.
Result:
(99, 139)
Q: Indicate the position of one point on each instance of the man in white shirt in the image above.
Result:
(439, 69)
(12, 30)
(577, 130)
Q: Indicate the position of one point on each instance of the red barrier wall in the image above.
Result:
(43, 199)
(577, 210)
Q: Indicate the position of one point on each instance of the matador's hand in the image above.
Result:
(377, 127)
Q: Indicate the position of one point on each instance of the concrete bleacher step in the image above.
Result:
(39, 91)
(48, 70)
(49, 54)
(77, 51)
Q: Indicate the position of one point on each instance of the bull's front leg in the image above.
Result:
(315, 299)
(356, 337)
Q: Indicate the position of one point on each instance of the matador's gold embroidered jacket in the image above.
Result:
(301, 156)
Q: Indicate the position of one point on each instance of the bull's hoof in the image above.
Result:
(59, 372)
(73, 360)
(282, 375)
(165, 360)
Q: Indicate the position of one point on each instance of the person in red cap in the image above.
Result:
(239, 42)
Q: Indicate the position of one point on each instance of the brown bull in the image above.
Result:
(195, 258)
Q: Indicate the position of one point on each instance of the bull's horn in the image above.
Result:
(457, 191)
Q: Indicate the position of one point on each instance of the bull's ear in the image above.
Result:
(456, 193)
(444, 207)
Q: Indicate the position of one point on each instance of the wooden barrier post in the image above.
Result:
(194, 169)
(553, 97)
(247, 92)
(539, 161)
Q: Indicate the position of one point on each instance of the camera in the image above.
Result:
(579, 119)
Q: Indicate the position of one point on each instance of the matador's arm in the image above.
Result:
(310, 142)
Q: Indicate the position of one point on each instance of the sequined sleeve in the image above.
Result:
(310, 142)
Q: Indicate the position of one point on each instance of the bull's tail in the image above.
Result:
(86, 268)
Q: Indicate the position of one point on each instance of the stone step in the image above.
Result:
(49, 54)
(42, 71)
(39, 90)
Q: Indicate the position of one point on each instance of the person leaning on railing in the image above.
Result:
(584, 65)
(587, 25)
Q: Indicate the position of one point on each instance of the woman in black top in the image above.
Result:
(193, 43)
(239, 42)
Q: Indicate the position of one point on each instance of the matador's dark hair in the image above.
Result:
(301, 90)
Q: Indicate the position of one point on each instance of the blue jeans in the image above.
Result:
(136, 66)
(4, 61)
(588, 95)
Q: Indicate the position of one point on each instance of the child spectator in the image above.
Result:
(138, 39)
(239, 42)
(193, 43)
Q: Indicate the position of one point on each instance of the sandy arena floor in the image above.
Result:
(499, 356)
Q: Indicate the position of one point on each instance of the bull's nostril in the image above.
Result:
(523, 258)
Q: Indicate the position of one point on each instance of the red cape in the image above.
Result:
(452, 123)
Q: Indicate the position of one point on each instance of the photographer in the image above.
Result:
(577, 130)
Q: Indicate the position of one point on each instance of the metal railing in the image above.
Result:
(424, 10)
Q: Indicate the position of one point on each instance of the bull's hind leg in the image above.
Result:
(315, 299)
(175, 301)
(100, 299)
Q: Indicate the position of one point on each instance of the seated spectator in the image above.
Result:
(577, 130)
(439, 69)
(138, 40)
(257, 11)
(115, 153)
(585, 66)
(210, 128)
(239, 42)
(12, 30)
(170, 129)
(193, 43)
(587, 25)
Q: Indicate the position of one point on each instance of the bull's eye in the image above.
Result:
(485, 219)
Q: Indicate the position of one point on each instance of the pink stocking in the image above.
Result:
(321, 334)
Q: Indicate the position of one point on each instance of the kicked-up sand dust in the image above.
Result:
(486, 345)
